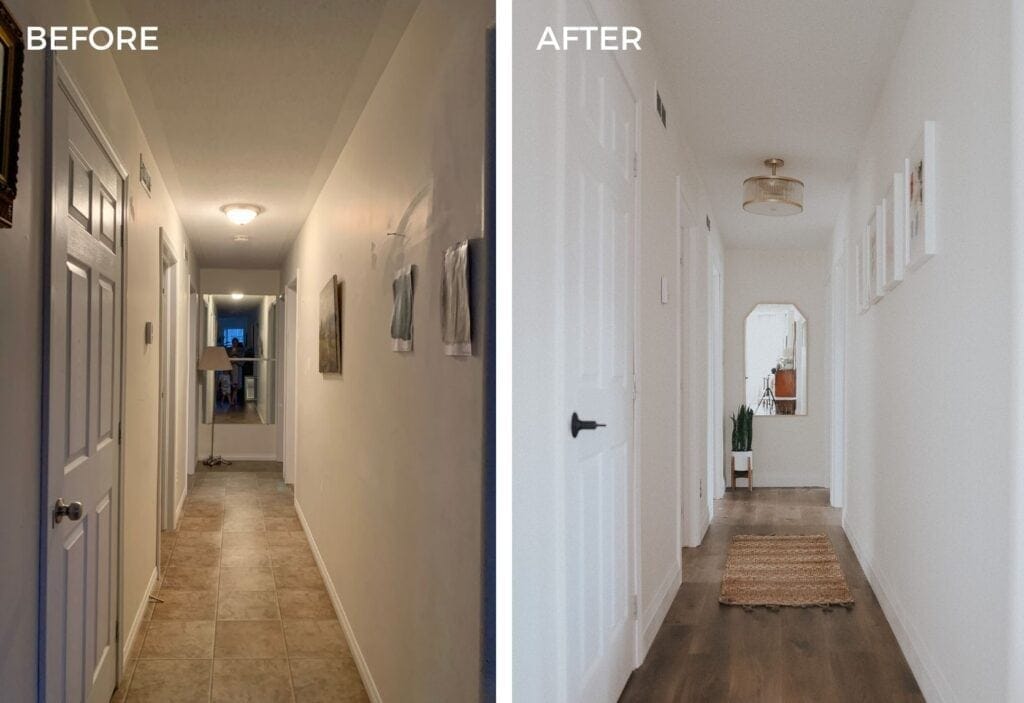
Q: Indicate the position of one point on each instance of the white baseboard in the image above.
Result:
(180, 506)
(654, 615)
(928, 673)
(353, 645)
(247, 457)
(140, 613)
(779, 481)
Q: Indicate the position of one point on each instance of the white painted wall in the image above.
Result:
(789, 450)
(537, 272)
(391, 450)
(1015, 677)
(21, 316)
(929, 368)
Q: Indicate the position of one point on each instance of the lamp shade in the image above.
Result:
(214, 359)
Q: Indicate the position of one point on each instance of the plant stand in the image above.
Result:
(747, 474)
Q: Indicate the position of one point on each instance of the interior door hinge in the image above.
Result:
(634, 385)
(636, 607)
(636, 166)
(119, 432)
(117, 631)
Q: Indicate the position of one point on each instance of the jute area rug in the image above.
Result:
(783, 570)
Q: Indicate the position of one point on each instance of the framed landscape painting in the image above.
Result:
(330, 327)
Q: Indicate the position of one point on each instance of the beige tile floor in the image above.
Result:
(244, 615)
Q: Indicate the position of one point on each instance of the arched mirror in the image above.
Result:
(776, 360)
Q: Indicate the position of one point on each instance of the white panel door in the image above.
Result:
(600, 136)
(83, 397)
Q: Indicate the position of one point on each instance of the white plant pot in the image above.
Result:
(743, 460)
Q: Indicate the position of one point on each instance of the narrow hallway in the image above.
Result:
(240, 611)
(706, 651)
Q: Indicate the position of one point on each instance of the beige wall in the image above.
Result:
(390, 451)
(248, 281)
(21, 314)
(789, 450)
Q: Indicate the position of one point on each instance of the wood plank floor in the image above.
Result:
(710, 652)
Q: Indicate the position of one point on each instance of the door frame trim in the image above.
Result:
(168, 353)
(837, 362)
(58, 78)
(290, 347)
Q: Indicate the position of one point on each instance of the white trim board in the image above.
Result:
(180, 507)
(654, 617)
(772, 481)
(140, 614)
(246, 457)
(346, 626)
(928, 673)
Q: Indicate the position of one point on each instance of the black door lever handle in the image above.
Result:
(578, 424)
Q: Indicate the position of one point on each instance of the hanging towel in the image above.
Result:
(456, 331)
(401, 316)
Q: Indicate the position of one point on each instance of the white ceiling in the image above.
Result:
(797, 79)
(252, 101)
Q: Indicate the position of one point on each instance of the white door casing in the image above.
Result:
(290, 394)
(82, 394)
(837, 434)
(168, 385)
(597, 363)
(192, 395)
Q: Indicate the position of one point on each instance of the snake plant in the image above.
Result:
(742, 429)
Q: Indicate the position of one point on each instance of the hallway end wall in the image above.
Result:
(789, 450)
(390, 451)
(928, 368)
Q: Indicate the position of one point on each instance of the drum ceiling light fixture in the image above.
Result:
(773, 195)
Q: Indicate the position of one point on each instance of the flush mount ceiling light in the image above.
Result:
(773, 195)
(241, 213)
(237, 296)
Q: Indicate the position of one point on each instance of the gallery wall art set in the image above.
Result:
(456, 322)
(900, 234)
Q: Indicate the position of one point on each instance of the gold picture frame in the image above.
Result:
(12, 61)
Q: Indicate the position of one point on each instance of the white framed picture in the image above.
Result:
(872, 254)
(919, 180)
(894, 206)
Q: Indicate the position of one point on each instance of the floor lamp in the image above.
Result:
(214, 359)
